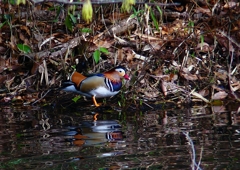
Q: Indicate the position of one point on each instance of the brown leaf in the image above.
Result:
(230, 4)
(188, 76)
(170, 87)
(204, 92)
(104, 43)
(203, 10)
(23, 27)
(221, 74)
(12, 43)
(219, 95)
(120, 55)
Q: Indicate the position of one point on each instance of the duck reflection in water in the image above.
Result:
(96, 132)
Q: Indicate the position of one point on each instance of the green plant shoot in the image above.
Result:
(127, 5)
(87, 11)
(24, 48)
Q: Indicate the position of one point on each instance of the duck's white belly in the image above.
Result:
(102, 92)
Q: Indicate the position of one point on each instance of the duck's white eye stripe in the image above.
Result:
(120, 70)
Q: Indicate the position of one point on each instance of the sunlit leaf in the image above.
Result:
(18, 2)
(24, 48)
(96, 56)
(103, 50)
(127, 5)
(75, 99)
(87, 11)
(86, 30)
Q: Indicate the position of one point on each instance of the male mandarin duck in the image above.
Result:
(97, 85)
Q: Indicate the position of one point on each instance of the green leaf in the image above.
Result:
(86, 30)
(68, 23)
(154, 19)
(191, 24)
(24, 48)
(202, 39)
(13, 2)
(59, 10)
(96, 55)
(73, 18)
(161, 13)
(75, 99)
(2, 24)
(7, 16)
(103, 50)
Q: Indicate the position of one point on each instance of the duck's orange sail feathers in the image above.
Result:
(77, 78)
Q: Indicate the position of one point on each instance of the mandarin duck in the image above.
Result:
(97, 85)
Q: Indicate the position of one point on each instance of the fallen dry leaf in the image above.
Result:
(219, 95)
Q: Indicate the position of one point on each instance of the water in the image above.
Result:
(43, 138)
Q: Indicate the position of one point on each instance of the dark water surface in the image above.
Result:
(38, 138)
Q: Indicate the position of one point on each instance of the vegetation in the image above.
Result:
(184, 53)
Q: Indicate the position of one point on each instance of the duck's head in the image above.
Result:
(121, 72)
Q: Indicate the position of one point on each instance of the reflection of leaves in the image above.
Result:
(24, 48)
(18, 135)
(15, 162)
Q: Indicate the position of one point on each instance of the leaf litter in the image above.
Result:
(172, 52)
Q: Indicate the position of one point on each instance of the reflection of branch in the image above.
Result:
(193, 152)
(103, 2)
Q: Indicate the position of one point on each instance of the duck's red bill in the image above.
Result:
(126, 77)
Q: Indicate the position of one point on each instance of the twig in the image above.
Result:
(41, 97)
